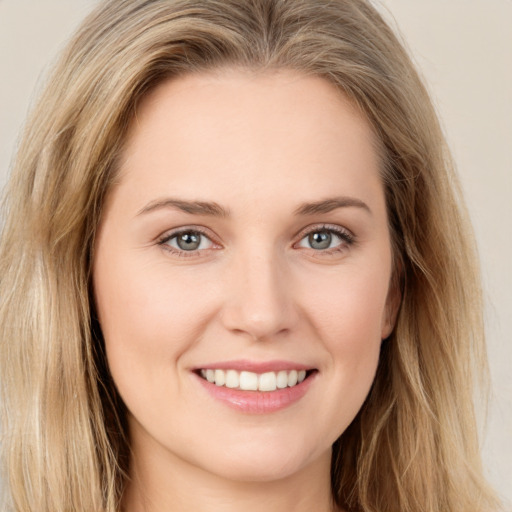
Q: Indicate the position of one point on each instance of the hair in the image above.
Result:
(413, 447)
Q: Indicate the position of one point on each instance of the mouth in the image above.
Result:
(256, 387)
(251, 381)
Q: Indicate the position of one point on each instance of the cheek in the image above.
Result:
(351, 333)
(146, 317)
(348, 316)
(349, 307)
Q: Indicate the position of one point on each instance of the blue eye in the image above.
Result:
(188, 241)
(320, 240)
(325, 239)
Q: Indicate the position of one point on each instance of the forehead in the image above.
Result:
(245, 131)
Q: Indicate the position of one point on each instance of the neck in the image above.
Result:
(173, 485)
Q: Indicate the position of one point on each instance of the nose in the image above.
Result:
(260, 301)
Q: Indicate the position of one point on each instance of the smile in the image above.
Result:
(250, 381)
(256, 388)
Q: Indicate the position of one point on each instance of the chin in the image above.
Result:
(270, 461)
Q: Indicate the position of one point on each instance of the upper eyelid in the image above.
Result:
(323, 227)
(169, 234)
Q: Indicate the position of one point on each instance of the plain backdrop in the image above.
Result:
(464, 50)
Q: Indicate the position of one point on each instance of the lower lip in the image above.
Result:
(258, 402)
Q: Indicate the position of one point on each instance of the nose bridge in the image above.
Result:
(259, 299)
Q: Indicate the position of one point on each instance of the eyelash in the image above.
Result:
(346, 237)
(165, 239)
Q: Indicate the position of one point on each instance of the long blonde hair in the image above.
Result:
(413, 447)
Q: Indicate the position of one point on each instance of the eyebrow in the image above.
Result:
(330, 204)
(207, 208)
(213, 209)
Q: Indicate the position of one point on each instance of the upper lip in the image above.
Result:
(255, 366)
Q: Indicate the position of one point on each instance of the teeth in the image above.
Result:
(267, 382)
(249, 381)
(282, 379)
(292, 378)
(232, 379)
(220, 377)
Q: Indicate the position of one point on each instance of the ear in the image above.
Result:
(393, 301)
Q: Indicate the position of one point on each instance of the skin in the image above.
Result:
(260, 145)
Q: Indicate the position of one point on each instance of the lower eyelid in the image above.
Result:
(202, 242)
(345, 237)
(167, 238)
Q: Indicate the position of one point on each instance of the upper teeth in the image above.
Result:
(249, 381)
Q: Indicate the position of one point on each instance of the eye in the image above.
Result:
(186, 241)
(326, 238)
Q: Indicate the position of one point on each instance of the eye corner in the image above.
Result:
(342, 237)
(199, 242)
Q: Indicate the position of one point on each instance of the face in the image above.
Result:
(242, 271)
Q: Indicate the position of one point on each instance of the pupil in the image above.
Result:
(320, 240)
(189, 241)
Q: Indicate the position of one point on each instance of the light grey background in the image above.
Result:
(464, 49)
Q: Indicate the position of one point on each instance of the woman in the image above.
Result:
(236, 272)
